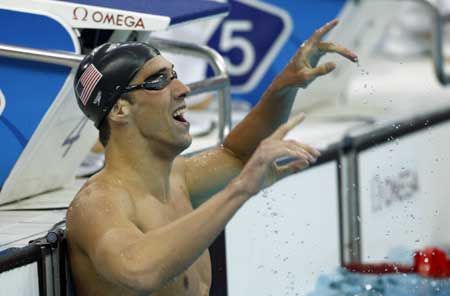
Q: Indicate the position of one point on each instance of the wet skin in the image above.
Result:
(132, 229)
(146, 213)
(114, 195)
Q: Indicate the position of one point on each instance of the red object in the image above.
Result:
(430, 262)
(379, 268)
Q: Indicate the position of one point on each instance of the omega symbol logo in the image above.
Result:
(80, 13)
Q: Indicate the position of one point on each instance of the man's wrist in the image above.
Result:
(238, 189)
(280, 88)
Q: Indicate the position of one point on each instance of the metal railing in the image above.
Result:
(437, 41)
(437, 37)
(220, 82)
(350, 147)
(39, 55)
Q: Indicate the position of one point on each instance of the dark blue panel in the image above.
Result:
(29, 87)
(266, 28)
(178, 10)
(24, 29)
(10, 147)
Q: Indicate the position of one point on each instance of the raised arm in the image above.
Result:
(275, 105)
(98, 222)
(272, 110)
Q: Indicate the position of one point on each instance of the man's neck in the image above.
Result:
(141, 165)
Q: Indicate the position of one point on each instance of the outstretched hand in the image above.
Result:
(303, 68)
(261, 171)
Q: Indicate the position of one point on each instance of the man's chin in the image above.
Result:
(183, 143)
(187, 143)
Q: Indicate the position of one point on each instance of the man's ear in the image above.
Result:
(120, 112)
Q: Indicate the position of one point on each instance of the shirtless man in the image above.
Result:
(132, 229)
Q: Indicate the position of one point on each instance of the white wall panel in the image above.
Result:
(284, 237)
(405, 194)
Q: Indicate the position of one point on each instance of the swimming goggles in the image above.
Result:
(157, 83)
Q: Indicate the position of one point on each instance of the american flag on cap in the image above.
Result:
(87, 83)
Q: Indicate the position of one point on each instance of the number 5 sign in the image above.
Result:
(249, 39)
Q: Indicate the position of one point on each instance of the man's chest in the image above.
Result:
(151, 214)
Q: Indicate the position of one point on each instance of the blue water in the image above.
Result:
(344, 283)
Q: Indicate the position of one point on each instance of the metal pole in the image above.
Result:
(38, 55)
(437, 41)
(349, 204)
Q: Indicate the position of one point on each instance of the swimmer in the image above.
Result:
(131, 228)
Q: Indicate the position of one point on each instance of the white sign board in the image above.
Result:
(405, 194)
(286, 236)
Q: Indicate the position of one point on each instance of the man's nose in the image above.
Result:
(180, 89)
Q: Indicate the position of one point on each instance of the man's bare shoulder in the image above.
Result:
(98, 201)
(98, 190)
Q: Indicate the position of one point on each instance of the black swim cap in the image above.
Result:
(103, 74)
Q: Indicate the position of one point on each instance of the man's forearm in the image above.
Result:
(270, 112)
(164, 253)
(275, 105)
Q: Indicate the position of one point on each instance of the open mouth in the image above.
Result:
(178, 114)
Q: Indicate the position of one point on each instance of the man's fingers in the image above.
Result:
(311, 150)
(318, 34)
(332, 47)
(316, 153)
(322, 69)
(291, 168)
(282, 131)
(284, 152)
